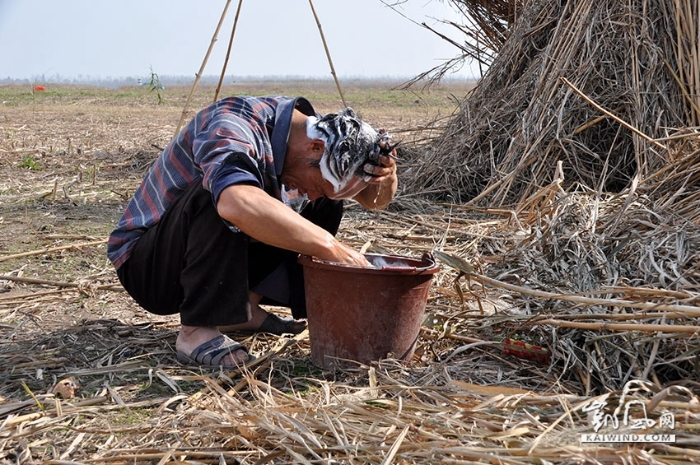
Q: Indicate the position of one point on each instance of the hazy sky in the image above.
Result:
(125, 38)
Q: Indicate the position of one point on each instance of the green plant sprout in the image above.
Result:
(155, 85)
(28, 162)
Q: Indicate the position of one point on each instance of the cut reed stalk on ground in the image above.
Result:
(626, 254)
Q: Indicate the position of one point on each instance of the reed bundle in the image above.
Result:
(601, 86)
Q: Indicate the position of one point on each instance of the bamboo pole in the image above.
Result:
(606, 326)
(228, 51)
(201, 68)
(46, 282)
(328, 53)
(686, 310)
(52, 249)
(607, 113)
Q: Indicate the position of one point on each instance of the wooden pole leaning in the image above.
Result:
(201, 69)
(328, 54)
(228, 51)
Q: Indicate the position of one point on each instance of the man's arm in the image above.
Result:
(268, 220)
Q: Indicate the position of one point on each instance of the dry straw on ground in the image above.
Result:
(581, 235)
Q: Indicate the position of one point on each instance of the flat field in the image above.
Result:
(70, 158)
(86, 376)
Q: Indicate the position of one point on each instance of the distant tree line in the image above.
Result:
(110, 81)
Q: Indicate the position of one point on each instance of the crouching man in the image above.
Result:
(216, 226)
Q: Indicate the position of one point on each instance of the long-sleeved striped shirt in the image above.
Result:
(235, 140)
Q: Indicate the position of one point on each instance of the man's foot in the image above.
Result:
(203, 345)
(264, 322)
(274, 324)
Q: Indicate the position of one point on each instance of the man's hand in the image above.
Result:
(383, 183)
(348, 255)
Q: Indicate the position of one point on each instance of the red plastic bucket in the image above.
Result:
(358, 314)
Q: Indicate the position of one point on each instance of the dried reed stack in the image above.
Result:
(638, 60)
(687, 54)
(585, 125)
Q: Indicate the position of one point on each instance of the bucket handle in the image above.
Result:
(427, 257)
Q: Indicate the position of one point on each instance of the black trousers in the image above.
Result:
(193, 264)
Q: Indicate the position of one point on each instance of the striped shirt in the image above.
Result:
(237, 140)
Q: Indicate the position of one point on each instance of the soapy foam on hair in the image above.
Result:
(350, 143)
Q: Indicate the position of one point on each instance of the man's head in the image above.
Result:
(350, 143)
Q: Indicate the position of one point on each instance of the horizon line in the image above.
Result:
(184, 79)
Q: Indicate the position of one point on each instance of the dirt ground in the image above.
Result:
(70, 159)
(86, 376)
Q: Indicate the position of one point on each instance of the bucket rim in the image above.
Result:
(426, 265)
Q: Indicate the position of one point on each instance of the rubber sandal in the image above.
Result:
(279, 326)
(272, 324)
(211, 353)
